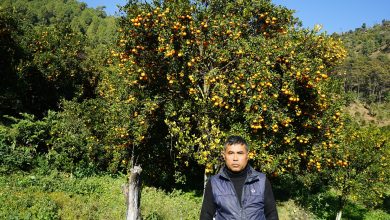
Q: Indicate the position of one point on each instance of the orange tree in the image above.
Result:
(209, 69)
(57, 55)
(43, 61)
(46, 66)
(361, 168)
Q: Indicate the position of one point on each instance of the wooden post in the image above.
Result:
(338, 216)
(133, 194)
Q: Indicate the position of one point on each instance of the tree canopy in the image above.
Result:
(207, 69)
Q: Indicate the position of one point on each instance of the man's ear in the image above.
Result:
(223, 155)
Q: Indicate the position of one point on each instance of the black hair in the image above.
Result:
(235, 140)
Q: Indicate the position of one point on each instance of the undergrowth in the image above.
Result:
(63, 196)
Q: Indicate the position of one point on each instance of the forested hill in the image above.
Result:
(94, 23)
(51, 50)
(367, 68)
(373, 42)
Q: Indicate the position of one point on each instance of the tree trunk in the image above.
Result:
(133, 194)
(358, 92)
(338, 216)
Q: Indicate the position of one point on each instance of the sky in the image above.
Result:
(334, 15)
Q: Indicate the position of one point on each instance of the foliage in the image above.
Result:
(209, 69)
(156, 204)
(73, 140)
(183, 76)
(366, 70)
(361, 38)
(98, 28)
(376, 215)
(55, 70)
(21, 143)
(9, 58)
(362, 172)
(368, 77)
(49, 12)
(130, 132)
(63, 196)
(50, 56)
(60, 196)
(37, 208)
(357, 178)
(73, 145)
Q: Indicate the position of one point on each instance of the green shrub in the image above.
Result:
(64, 196)
(28, 206)
(377, 215)
(78, 139)
(45, 208)
(156, 204)
(60, 196)
(21, 143)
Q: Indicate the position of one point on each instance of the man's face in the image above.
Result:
(236, 157)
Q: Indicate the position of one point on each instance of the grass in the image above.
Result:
(157, 204)
(289, 210)
(60, 196)
(63, 196)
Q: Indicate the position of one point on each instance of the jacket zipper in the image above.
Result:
(238, 201)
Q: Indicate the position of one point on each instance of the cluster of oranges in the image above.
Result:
(226, 64)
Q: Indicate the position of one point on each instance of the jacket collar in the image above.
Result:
(252, 174)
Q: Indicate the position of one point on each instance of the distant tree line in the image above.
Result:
(366, 71)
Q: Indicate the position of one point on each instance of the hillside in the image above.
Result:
(365, 74)
(371, 42)
(377, 114)
(94, 23)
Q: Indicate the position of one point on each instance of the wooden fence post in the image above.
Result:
(133, 193)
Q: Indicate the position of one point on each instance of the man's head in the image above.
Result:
(235, 153)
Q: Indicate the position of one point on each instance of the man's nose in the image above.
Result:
(235, 157)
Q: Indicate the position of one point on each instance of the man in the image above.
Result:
(238, 191)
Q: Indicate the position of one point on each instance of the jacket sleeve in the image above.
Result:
(269, 203)
(208, 205)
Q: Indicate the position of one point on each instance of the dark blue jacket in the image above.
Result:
(252, 199)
